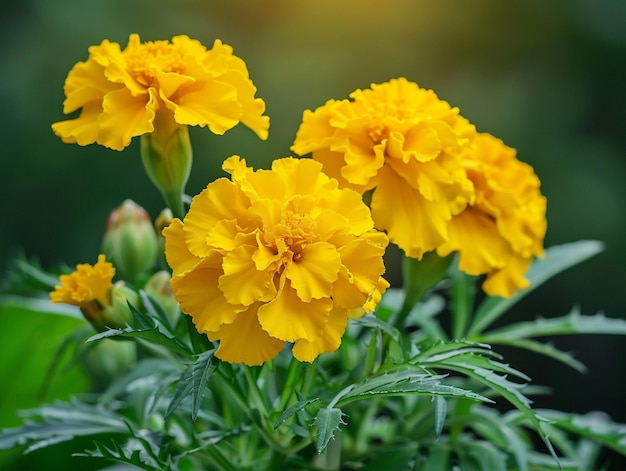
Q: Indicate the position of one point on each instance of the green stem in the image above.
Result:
(462, 295)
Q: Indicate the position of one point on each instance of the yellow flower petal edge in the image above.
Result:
(274, 256)
(503, 229)
(120, 91)
(406, 144)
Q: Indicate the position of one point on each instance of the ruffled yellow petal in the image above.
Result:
(288, 318)
(82, 130)
(475, 236)
(329, 341)
(221, 200)
(506, 281)
(125, 116)
(362, 264)
(241, 282)
(314, 270)
(415, 224)
(198, 293)
(244, 341)
(176, 251)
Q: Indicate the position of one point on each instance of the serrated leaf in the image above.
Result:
(152, 335)
(327, 423)
(405, 382)
(372, 321)
(297, 407)
(556, 260)
(61, 422)
(452, 347)
(155, 311)
(571, 323)
(193, 382)
(542, 348)
(596, 426)
(499, 383)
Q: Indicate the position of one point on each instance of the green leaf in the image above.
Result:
(596, 426)
(405, 382)
(441, 407)
(60, 422)
(571, 323)
(193, 383)
(479, 455)
(556, 260)
(438, 458)
(297, 407)
(391, 459)
(372, 321)
(475, 368)
(542, 348)
(327, 423)
(152, 335)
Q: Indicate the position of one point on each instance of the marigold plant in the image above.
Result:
(264, 336)
(275, 256)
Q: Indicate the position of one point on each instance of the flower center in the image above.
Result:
(150, 58)
(378, 133)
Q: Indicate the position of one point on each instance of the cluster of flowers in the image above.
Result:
(289, 254)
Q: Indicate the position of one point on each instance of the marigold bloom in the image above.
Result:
(120, 91)
(90, 287)
(406, 144)
(501, 232)
(275, 256)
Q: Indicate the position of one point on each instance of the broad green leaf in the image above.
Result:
(152, 335)
(32, 331)
(327, 423)
(297, 407)
(571, 323)
(556, 260)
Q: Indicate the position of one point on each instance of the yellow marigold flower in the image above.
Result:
(90, 287)
(403, 142)
(275, 256)
(120, 91)
(503, 229)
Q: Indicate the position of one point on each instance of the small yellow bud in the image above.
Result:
(130, 241)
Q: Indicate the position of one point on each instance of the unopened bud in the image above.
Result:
(158, 287)
(130, 241)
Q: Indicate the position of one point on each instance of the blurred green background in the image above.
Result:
(547, 77)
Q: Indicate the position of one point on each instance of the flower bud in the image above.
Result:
(158, 287)
(130, 241)
(166, 155)
(108, 359)
(163, 220)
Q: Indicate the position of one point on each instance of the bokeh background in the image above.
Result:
(548, 77)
